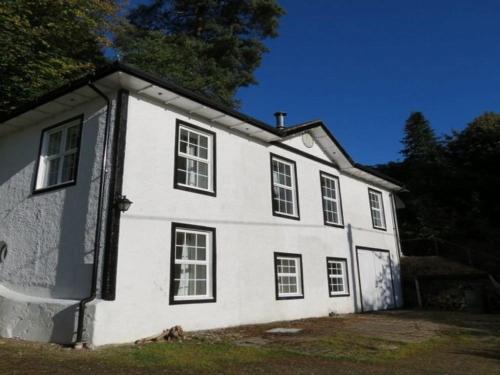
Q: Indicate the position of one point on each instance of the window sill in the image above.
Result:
(289, 297)
(187, 301)
(278, 214)
(340, 295)
(195, 190)
(334, 225)
(380, 228)
(53, 187)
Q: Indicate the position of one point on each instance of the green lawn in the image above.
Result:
(389, 343)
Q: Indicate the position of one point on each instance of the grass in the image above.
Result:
(360, 349)
(311, 352)
(209, 357)
(201, 357)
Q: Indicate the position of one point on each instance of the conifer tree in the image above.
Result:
(209, 46)
(420, 143)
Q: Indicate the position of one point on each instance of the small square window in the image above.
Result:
(338, 284)
(289, 281)
(59, 152)
(194, 159)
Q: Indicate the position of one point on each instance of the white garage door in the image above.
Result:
(375, 279)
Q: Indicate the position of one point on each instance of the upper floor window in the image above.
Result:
(192, 264)
(284, 187)
(338, 284)
(377, 209)
(59, 151)
(289, 281)
(195, 159)
(332, 204)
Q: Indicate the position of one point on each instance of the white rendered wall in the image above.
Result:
(49, 235)
(247, 234)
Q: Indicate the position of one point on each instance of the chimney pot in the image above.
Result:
(280, 119)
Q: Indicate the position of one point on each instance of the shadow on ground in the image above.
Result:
(397, 342)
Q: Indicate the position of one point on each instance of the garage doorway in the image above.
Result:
(376, 285)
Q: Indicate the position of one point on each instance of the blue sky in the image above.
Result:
(363, 65)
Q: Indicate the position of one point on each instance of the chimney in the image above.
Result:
(280, 119)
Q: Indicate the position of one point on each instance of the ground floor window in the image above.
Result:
(192, 275)
(337, 276)
(289, 280)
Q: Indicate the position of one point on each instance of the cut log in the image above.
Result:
(171, 334)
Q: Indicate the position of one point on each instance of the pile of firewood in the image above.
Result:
(172, 334)
(446, 296)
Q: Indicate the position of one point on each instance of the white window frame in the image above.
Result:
(343, 275)
(210, 160)
(209, 263)
(297, 259)
(292, 188)
(380, 209)
(42, 177)
(337, 200)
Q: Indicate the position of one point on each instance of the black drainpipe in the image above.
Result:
(98, 227)
(395, 224)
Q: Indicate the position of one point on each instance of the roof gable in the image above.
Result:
(300, 142)
(339, 156)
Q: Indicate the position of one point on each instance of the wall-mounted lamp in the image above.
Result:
(123, 203)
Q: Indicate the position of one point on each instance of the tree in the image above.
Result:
(475, 156)
(478, 145)
(453, 192)
(420, 143)
(423, 171)
(46, 42)
(208, 46)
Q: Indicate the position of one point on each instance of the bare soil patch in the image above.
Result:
(397, 342)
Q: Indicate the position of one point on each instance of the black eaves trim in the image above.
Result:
(314, 124)
(151, 78)
(304, 154)
(114, 67)
(318, 123)
(378, 174)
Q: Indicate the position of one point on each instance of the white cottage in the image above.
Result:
(231, 221)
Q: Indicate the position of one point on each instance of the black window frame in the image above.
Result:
(34, 189)
(175, 226)
(347, 287)
(288, 255)
(213, 171)
(273, 203)
(384, 228)
(332, 176)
